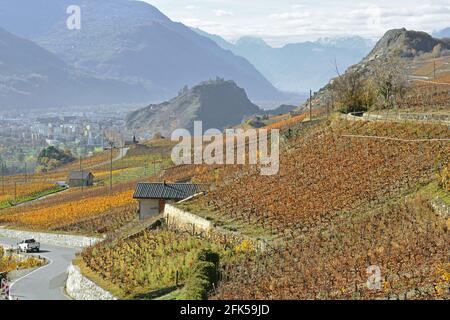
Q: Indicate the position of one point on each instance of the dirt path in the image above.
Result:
(123, 152)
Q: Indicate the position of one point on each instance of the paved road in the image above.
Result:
(46, 283)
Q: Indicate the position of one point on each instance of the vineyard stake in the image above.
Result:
(81, 170)
(3, 177)
(110, 170)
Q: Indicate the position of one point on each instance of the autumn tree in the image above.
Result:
(351, 92)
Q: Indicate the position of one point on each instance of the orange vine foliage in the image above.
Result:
(59, 214)
(328, 209)
(25, 189)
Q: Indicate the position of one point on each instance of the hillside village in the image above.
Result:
(364, 181)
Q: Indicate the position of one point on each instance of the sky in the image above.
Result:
(285, 21)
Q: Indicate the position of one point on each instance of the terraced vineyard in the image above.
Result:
(326, 172)
(339, 206)
(59, 215)
(89, 210)
(16, 193)
(406, 242)
(103, 223)
(149, 262)
(83, 211)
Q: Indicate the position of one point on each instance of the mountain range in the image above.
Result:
(33, 76)
(128, 43)
(298, 67)
(444, 33)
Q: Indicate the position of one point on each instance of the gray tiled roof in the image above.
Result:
(168, 191)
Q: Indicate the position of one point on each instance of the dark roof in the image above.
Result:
(168, 191)
(79, 175)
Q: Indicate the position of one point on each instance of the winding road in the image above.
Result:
(47, 282)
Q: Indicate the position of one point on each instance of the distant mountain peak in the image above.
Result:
(441, 34)
(250, 41)
(345, 41)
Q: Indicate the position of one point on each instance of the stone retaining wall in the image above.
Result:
(186, 221)
(393, 116)
(398, 117)
(60, 240)
(79, 287)
(180, 220)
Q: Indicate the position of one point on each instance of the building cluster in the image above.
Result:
(63, 131)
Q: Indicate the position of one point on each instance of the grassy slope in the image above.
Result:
(24, 199)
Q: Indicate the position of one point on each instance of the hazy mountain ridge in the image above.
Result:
(298, 67)
(32, 76)
(217, 103)
(133, 40)
(444, 33)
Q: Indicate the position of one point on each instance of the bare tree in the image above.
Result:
(389, 78)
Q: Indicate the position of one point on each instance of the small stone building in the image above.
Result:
(153, 197)
(131, 143)
(80, 179)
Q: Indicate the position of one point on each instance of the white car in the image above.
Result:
(29, 245)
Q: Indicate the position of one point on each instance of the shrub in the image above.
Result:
(352, 92)
(204, 276)
(444, 177)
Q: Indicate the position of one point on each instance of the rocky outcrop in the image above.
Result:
(440, 207)
(395, 44)
(217, 103)
(405, 44)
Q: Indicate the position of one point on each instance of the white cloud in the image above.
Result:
(223, 13)
(289, 15)
(282, 21)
